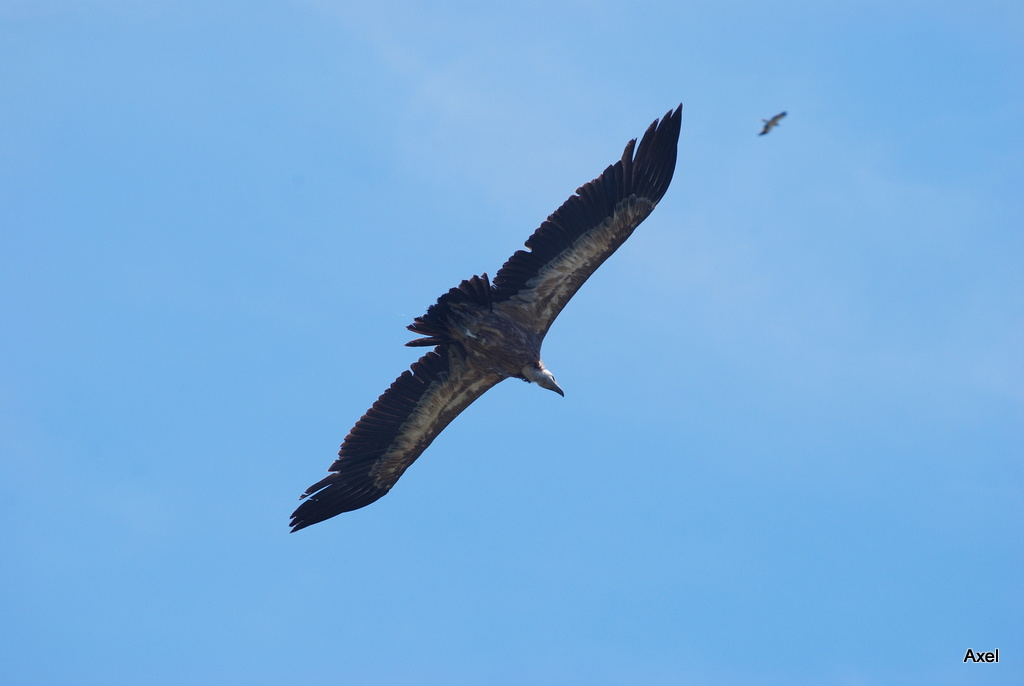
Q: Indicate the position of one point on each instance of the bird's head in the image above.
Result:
(542, 377)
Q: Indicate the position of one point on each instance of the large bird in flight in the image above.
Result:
(484, 332)
(769, 124)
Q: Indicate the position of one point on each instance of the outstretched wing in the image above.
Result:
(534, 285)
(393, 433)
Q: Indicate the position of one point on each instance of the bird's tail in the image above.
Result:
(434, 324)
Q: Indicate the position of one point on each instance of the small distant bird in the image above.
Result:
(484, 332)
(769, 123)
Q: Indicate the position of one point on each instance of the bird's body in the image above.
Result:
(485, 332)
(769, 124)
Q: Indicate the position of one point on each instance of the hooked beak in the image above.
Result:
(547, 380)
(543, 378)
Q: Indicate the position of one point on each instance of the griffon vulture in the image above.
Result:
(484, 331)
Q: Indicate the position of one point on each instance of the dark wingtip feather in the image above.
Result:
(339, 492)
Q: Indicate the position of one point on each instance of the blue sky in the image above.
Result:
(790, 447)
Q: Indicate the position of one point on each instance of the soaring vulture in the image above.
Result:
(486, 331)
(771, 123)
